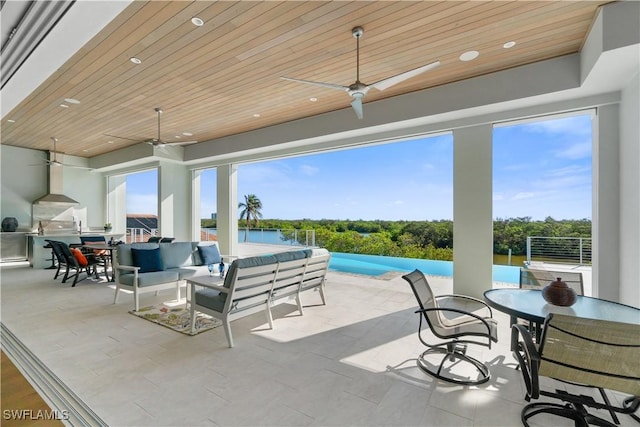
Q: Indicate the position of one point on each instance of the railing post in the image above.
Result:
(528, 250)
(580, 250)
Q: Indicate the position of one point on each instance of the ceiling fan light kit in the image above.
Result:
(357, 90)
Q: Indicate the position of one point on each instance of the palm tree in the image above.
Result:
(250, 210)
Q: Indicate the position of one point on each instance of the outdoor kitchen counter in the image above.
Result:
(40, 257)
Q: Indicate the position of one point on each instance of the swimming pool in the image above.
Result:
(377, 265)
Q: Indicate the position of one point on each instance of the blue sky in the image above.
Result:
(540, 169)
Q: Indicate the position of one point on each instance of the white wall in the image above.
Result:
(630, 193)
(24, 179)
(21, 182)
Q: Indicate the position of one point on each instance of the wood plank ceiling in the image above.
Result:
(214, 80)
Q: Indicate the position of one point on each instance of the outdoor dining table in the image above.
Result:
(528, 304)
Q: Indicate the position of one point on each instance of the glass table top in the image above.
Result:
(529, 304)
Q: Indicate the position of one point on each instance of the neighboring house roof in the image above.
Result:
(146, 221)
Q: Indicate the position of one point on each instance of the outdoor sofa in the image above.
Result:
(151, 267)
(255, 284)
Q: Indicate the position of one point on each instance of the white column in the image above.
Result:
(174, 201)
(195, 205)
(227, 209)
(117, 203)
(630, 193)
(472, 210)
(606, 204)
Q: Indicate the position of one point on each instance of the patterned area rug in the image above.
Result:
(177, 318)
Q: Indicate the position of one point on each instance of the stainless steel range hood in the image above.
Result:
(54, 184)
(55, 199)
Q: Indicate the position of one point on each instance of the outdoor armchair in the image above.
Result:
(595, 353)
(452, 319)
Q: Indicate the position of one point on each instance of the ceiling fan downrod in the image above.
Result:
(159, 111)
(357, 32)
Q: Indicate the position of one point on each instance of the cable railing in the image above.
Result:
(272, 236)
(139, 234)
(564, 250)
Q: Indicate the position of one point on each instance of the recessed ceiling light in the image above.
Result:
(109, 142)
(313, 99)
(187, 133)
(178, 137)
(469, 55)
(197, 21)
(64, 105)
(72, 101)
(11, 121)
(256, 115)
(507, 45)
(135, 60)
(85, 150)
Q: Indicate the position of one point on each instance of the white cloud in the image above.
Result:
(309, 170)
(523, 195)
(581, 150)
(568, 125)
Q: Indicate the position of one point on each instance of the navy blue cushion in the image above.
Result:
(147, 259)
(209, 254)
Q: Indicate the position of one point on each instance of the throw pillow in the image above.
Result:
(79, 256)
(147, 259)
(209, 254)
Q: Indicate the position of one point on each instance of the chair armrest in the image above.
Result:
(128, 268)
(466, 298)
(218, 288)
(456, 310)
(526, 353)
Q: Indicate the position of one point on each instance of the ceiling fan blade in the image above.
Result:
(120, 137)
(56, 164)
(321, 84)
(390, 81)
(357, 106)
(76, 167)
(180, 142)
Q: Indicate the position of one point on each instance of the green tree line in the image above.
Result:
(418, 239)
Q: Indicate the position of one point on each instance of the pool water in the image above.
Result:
(377, 265)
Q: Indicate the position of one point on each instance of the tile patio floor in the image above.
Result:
(351, 362)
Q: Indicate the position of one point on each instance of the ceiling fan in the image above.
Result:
(358, 90)
(156, 141)
(56, 163)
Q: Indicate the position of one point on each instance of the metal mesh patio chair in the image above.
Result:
(531, 278)
(591, 352)
(452, 319)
